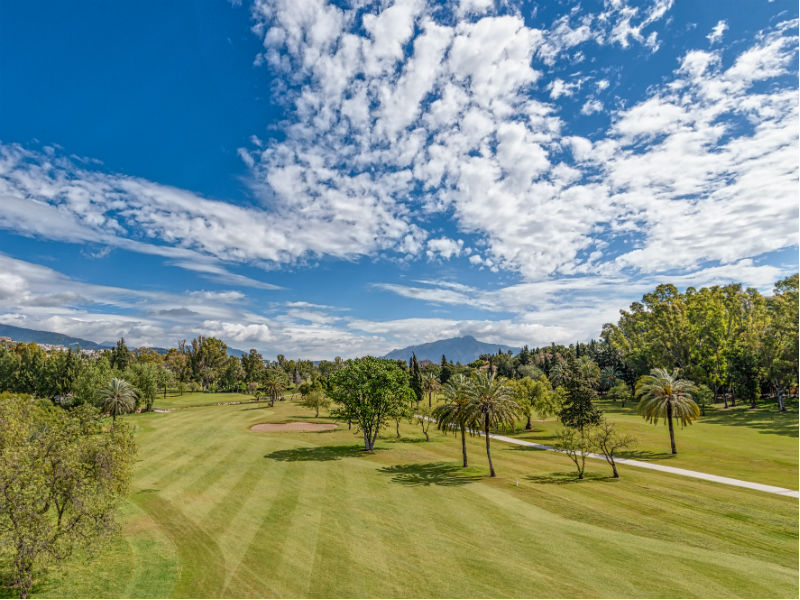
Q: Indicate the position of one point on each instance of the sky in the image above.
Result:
(320, 178)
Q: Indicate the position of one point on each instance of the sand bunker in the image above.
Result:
(295, 426)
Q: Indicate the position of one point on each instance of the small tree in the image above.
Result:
(606, 439)
(430, 383)
(576, 443)
(423, 417)
(316, 399)
(455, 414)
(275, 383)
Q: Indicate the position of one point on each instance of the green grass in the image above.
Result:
(758, 444)
(217, 510)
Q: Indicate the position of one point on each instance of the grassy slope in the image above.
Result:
(221, 511)
(758, 445)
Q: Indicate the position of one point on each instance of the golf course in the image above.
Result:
(218, 510)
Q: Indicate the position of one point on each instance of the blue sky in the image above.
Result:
(325, 178)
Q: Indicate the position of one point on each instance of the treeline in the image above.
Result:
(734, 343)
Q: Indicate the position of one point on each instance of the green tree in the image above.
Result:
(576, 443)
(62, 477)
(315, 398)
(118, 397)
(275, 383)
(534, 396)
(121, 356)
(454, 414)
(491, 405)
(779, 355)
(430, 383)
(368, 392)
(446, 372)
(415, 379)
(423, 416)
(663, 396)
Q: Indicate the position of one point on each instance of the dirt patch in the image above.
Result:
(294, 426)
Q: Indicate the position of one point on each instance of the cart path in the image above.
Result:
(771, 489)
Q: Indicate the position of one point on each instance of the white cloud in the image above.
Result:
(591, 106)
(717, 32)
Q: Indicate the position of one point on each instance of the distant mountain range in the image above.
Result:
(21, 334)
(460, 349)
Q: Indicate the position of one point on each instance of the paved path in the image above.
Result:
(771, 489)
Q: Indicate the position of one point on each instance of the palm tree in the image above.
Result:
(430, 383)
(118, 397)
(274, 384)
(490, 404)
(664, 396)
(454, 415)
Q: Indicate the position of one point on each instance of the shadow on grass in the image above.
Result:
(765, 417)
(429, 474)
(405, 440)
(646, 455)
(317, 453)
(258, 407)
(566, 477)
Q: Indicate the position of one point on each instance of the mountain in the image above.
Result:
(460, 349)
(20, 334)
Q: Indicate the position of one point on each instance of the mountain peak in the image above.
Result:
(462, 349)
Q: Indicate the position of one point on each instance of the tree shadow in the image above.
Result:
(405, 440)
(765, 417)
(317, 453)
(646, 455)
(429, 474)
(565, 477)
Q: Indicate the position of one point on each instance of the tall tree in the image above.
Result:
(430, 383)
(416, 379)
(663, 396)
(454, 415)
(490, 404)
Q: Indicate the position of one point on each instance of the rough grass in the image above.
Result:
(218, 510)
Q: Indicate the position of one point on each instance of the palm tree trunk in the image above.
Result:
(780, 401)
(528, 423)
(488, 448)
(464, 445)
(671, 428)
(430, 405)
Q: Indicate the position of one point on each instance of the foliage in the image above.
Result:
(663, 396)
(368, 391)
(315, 398)
(491, 405)
(61, 478)
(454, 413)
(534, 396)
(118, 397)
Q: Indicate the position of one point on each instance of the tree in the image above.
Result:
(62, 476)
(620, 391)
(446, 372)
(118, 397)
(368, 392)
(454, 415)
(430, 383)
(578, 410)
(415, 379)
(121, 356)
(576, 443)
(780, 354)
(490, 404)
(424, 418)
(534, 396)
(275, 383)
(663, 396)
(316, 399)
(606, 439)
